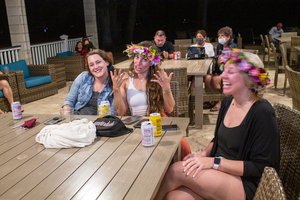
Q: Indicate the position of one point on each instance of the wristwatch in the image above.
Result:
(217, 161)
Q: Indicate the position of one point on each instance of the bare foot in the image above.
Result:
(1, 112)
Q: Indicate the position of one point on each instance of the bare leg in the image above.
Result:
(183, 193)
(208, 81)
(6, 91)
(216, 82)
(4, 85)
(209, 184)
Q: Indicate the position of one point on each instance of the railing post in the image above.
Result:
(65, 45)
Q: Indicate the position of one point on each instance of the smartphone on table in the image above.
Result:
(139, 124)
(54, 120)
(131, 119)
(169, 127)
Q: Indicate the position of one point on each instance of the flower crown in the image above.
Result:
(149, 53)
(258, 74)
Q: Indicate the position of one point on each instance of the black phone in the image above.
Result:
(170, 127)
(54, 120)
(139, 124)
(131, 119)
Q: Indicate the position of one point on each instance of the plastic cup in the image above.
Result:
(68, 114)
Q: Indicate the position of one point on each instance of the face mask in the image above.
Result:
(222, 41)
(200, 40)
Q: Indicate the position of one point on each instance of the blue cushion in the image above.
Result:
(1, 94)
(17, 66)
(66, 53)
(37, 80)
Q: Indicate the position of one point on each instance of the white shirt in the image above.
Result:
(209, 49)
(137, 100)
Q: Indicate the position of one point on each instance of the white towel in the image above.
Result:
(78, 133)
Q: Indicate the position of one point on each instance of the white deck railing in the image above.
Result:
(39, 52)
(9, 55)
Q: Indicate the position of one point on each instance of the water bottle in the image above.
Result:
(5, 70)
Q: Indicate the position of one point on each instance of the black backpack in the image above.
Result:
(195, 53)
(111, 126)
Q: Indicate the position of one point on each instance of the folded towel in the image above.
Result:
(78, 133)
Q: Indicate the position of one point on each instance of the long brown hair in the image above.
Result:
(153, 90)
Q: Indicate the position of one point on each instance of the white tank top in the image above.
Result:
(137, 100)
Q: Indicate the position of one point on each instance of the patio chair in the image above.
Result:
(38, 92)
(284, 63)
(271, 50)
(295, 41)
(270, 186)
(288, 121)
(74, 65)
(294, 82)
(263, 46)
(179, 89)
(11, 78)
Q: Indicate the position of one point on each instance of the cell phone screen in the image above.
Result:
(170, 127)
(131, 119)
(54, 120)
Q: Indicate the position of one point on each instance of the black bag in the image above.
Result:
(111, 126)
(195, 53)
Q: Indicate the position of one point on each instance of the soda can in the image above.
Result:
(156, 120)
(147, 129)
(16, 110)
(103, 109)
(178, 55)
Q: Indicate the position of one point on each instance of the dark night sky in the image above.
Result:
(244, 16)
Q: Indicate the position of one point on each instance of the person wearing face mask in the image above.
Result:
(201, 42)
(165, 48)
(225, 43)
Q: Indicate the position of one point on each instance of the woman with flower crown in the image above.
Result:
(246, 139)
(146, 89)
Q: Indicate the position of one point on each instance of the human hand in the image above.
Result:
(118, 77)
(195, 154)
(193, 165)
(163, 79)
(166, 54)
(66, 108)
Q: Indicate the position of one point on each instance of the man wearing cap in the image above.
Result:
(165, 47)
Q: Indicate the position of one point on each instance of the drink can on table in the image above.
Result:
(176, 55)
(103, 109)
(156, 120)
(16, 110)
(147, 129)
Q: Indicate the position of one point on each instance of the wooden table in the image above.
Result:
(110, 168)
(196, 68)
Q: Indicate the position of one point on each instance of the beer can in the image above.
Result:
(16, 110)
(147, 129)
(103, 109)
(156, 120)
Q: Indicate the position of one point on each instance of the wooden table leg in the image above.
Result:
(198, 101)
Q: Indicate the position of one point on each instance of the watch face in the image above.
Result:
(217, 161)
